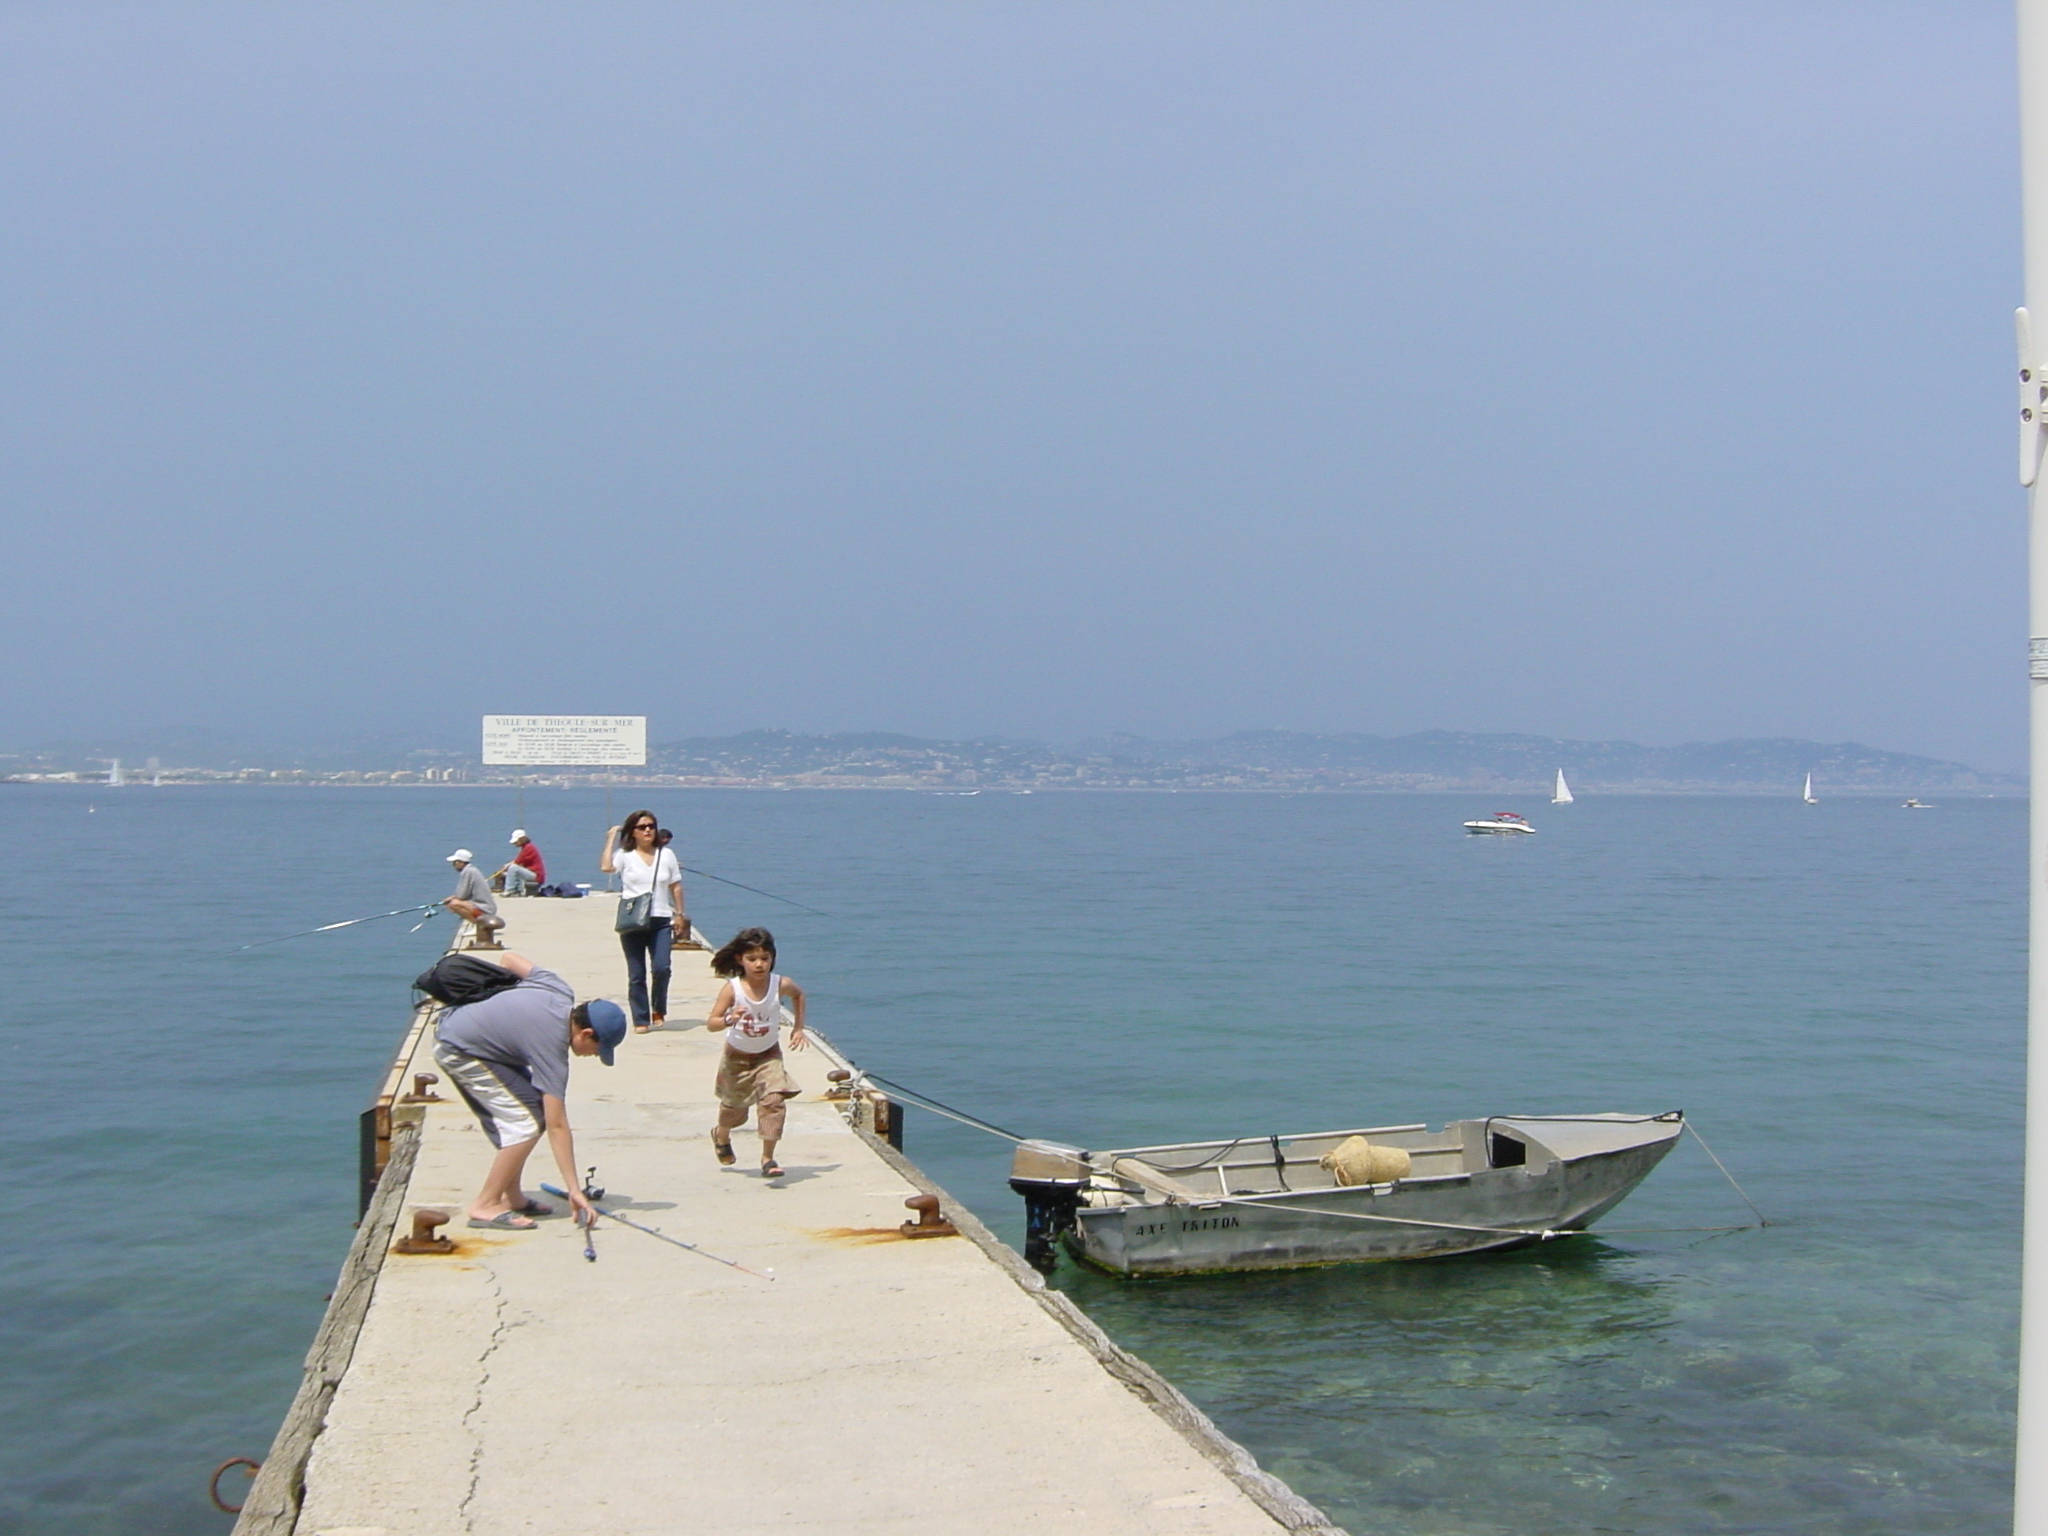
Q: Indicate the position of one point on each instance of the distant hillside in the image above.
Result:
(1248, 760)
(1428, 760)
(1455, 759)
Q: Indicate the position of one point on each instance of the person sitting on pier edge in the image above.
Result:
(473, 900)
(508, 1056)
(526, 873)
(646, 870)
(750, 1071)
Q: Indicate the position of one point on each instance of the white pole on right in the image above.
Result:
(2030, 1483)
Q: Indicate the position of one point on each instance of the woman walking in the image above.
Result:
(646, 869)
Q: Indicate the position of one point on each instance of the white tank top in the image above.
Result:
(753, 1027)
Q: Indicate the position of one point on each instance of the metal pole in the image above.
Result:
(2030, 1488)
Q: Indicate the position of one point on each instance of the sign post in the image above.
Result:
(565, 741)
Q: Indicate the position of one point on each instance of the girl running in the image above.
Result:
(750, 1071)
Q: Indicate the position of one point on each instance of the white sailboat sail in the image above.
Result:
(1809, 791)
(1562, 794)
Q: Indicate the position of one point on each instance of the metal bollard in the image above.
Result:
(424, 1239)
(422, 1089)
(929, 1222)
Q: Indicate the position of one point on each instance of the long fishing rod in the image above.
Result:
(430, 909)
(561, 1194)
(706, 874)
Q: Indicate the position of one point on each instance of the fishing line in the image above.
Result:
(706, 874)
(429, 909)
(628, 1221)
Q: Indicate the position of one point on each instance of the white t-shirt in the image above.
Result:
(753, 1027)
(636, 875)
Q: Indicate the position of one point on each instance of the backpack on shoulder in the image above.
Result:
(457, 979)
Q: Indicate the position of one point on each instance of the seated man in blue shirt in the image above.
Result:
(509, 1056)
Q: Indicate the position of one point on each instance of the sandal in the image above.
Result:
(536, 1208)
(771, 1169)
(726, 1156)
(505, 1221)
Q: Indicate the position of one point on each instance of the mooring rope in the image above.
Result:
(925, 1101)
(1761, 1219)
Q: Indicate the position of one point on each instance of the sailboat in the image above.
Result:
(1809, 791)
(1562, 793)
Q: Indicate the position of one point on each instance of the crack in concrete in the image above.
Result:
(499, 1328)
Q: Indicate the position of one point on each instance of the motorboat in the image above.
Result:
(1500, 821)
(1916, 805)
(1283, 1202)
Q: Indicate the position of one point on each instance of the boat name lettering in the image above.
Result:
(1205, 1222)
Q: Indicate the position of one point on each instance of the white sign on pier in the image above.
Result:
(565, 741)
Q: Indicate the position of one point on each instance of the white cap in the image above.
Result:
(519, 836)
(460, 856)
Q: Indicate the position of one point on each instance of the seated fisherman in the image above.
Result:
(473, 900)
(509, 1057)
(526, 873)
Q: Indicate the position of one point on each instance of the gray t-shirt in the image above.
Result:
(523, 1026)
(470, 885)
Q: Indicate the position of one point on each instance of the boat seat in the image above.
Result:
(1143, 1173)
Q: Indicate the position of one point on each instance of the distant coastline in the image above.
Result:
(1288, 762)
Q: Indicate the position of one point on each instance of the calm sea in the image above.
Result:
(1833, 993)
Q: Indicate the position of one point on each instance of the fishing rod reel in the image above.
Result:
(591, 1189)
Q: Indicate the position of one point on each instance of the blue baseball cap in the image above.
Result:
(608, 1022)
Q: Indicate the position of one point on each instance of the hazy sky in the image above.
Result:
(1592, 369)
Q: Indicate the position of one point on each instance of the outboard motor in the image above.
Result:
(1050, 1177)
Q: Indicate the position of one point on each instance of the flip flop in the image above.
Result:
(771, 1169)
(724, 1151)
(536, 1208)
(505, 1221)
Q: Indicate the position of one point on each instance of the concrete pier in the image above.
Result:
(876, 1384)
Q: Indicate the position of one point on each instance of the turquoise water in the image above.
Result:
(1833, 993)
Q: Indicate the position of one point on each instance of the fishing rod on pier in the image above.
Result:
(428, 910)
(590, 1251)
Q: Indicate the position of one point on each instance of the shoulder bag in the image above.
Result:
(637, 912)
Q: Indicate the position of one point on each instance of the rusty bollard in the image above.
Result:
(929, 1222)
(842, 1084)
(424, 1239)
(422, 1089)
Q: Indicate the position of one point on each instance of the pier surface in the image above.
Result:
(876, 1384)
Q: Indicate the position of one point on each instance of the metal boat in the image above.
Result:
(1500, 821)
(1271, 1202)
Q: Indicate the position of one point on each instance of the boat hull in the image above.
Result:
(1452, 1214)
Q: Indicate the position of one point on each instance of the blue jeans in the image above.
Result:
(518, 881)
(641, 946)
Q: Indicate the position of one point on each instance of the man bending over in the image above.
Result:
(509, 1057)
